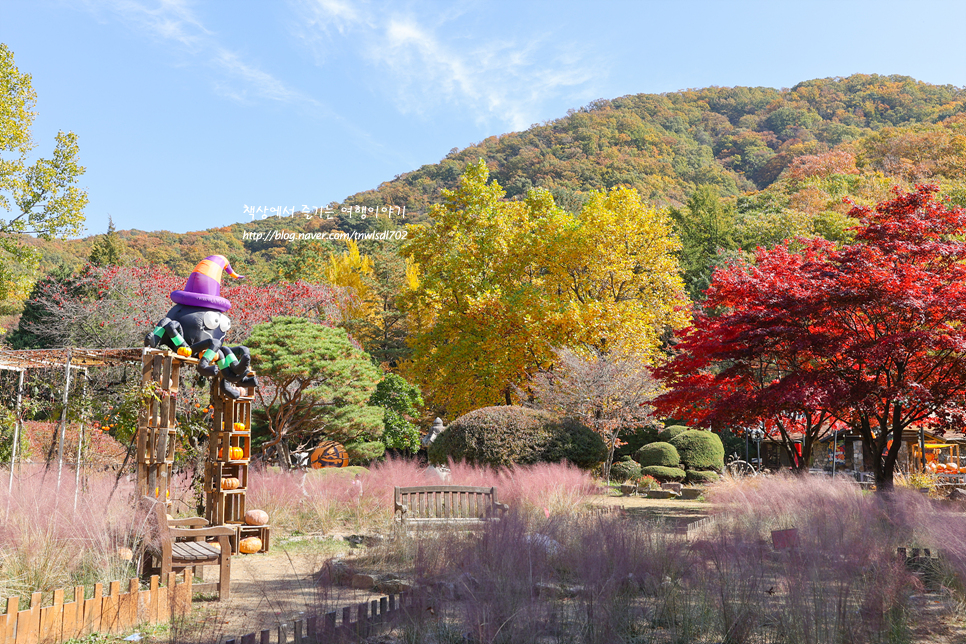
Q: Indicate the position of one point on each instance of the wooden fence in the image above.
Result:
(356, 622)
(114, 612)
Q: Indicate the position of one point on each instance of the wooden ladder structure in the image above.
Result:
(229, 432)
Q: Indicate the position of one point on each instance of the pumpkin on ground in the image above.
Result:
(249, 545)
(256, 517)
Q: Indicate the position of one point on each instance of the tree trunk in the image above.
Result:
(610, 458)
(883, 467)
(283, 456)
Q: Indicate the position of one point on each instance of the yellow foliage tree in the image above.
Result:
(353, 271)
(501, 284)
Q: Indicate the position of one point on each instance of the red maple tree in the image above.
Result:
(870, 335)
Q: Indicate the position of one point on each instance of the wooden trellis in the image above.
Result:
(229, 441)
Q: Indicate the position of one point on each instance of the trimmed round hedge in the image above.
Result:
(701, 477)
(660, 454)
(664, 474)
(624, 470)
(509, 435)
(669, 432)
(699, 450)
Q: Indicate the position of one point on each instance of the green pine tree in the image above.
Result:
(316, 385)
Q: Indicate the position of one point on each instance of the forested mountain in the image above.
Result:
(779, 161)
(729, 168)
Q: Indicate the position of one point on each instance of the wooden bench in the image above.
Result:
(447, 505)
(171, 547)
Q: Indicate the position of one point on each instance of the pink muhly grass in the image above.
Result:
(47, 543)
(277, 492)
(842, 578)
(556, 486)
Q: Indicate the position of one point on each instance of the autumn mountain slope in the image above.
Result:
(780, 159)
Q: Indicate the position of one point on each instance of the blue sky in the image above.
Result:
(189, 111)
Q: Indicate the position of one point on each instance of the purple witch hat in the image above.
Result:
(204, 285)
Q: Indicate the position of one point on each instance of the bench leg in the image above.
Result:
(224, 569)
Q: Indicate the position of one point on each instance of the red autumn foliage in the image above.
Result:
(116, 305)
(871, 335)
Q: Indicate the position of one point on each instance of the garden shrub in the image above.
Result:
(660, 454)
(670, 432)
(701, 477)
(510, 435)
(699, 450)
(664, 474)
(635, 438)
(623, 470)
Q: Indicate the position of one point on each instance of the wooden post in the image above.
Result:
(16, 437)
(63, 421)
(80, 446)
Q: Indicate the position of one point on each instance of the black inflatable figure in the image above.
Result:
(196, 326)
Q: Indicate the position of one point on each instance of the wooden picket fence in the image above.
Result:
(114, 612)
(356, 622)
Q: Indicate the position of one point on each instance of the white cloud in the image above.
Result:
(493, 79)
(174, 21)
(256, 81)
(318, 22)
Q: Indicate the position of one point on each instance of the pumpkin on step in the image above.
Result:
(249, 545)
(230, 483)
(256, 517)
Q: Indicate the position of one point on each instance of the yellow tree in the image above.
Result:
(501, 284)
(352, 271)
(369, 284)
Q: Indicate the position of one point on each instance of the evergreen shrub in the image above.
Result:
(699, 450)
(509, 435)
(664, 474)
(660, 454)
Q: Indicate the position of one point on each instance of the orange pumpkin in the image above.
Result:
(214, 544)
(230, 483)
(249, 545)
(256, 517)
(238, 427)
(237, 453)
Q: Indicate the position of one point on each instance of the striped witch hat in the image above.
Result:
(204, 285)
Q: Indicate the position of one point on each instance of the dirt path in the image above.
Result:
(273, 588)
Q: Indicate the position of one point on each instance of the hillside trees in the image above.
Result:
(871, 334)
(706, 228)
(42, 198)
(501, 284)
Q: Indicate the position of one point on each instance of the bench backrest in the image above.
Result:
(447, 501)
